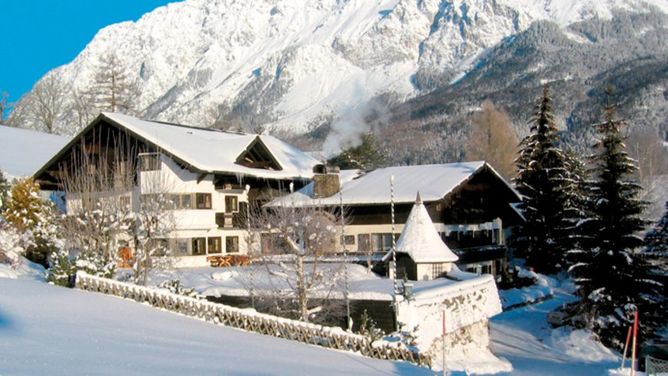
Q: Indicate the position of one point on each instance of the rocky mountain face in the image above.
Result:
(581, 61)
(325, 67)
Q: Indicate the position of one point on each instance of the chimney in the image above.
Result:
(325, 181)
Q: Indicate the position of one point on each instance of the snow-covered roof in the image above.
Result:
(432, 181)
(212, 150)
(420, 240)
(23, 151)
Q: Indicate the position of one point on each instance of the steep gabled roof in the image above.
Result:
(420, 240)
(212, 151)
(433, 181)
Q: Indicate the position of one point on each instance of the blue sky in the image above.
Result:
(39, 35)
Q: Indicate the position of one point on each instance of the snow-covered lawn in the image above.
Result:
(51, 330)
(46, 329)
(524, 337)
(236, 281)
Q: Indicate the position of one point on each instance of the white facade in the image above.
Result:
(196, 225)
(194, 232)
(196, 175)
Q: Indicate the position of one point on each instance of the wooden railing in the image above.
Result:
(249, 320)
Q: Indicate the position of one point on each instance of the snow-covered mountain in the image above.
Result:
(291, 64)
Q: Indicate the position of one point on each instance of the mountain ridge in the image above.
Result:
(291, 68)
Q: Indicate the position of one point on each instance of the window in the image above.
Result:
(175, 201)
(436, 270)
(486, 269)
(158, 247)
(231, 244)
(181, 247)
(149, 162)
(214, 245)
(149, 200)
(382, 242)
(231, 204)
(186, 201)
(364, 241)
(348, 239)
(198, 246)
(203, 200)
(220, 220)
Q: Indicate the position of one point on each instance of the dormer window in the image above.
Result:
(149, 161)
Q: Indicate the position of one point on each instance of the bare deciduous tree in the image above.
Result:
(493, 139)
(105, 212)
(152, 224)
(98, 188)
(81, 109)
(296, 240)
(43, 106)
(113, 88)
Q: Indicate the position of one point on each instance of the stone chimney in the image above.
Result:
(326, 181)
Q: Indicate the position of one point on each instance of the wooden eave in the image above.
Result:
(257, 143)
(99, 119)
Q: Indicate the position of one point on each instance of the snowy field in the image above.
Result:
(51, 330)
(46, 329)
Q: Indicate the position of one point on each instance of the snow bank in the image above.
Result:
(513, 298)
(542, 289)
(84, 333)
(579, 345)
(23, 269)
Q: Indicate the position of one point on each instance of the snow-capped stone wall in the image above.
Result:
(462, 311)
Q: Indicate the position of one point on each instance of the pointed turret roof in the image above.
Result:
(420, 240)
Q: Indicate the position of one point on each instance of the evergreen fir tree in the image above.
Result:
(548, 192)
(61, 268)
(578, 189)
(613, 280)
(365, 156)
(27, 212)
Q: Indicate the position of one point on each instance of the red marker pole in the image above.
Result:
(626, 346)
(635, 339)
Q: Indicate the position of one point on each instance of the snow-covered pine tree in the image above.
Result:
(546, 186)
(613, 280)
(580, 214)
(28, 212)
(366, 156)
